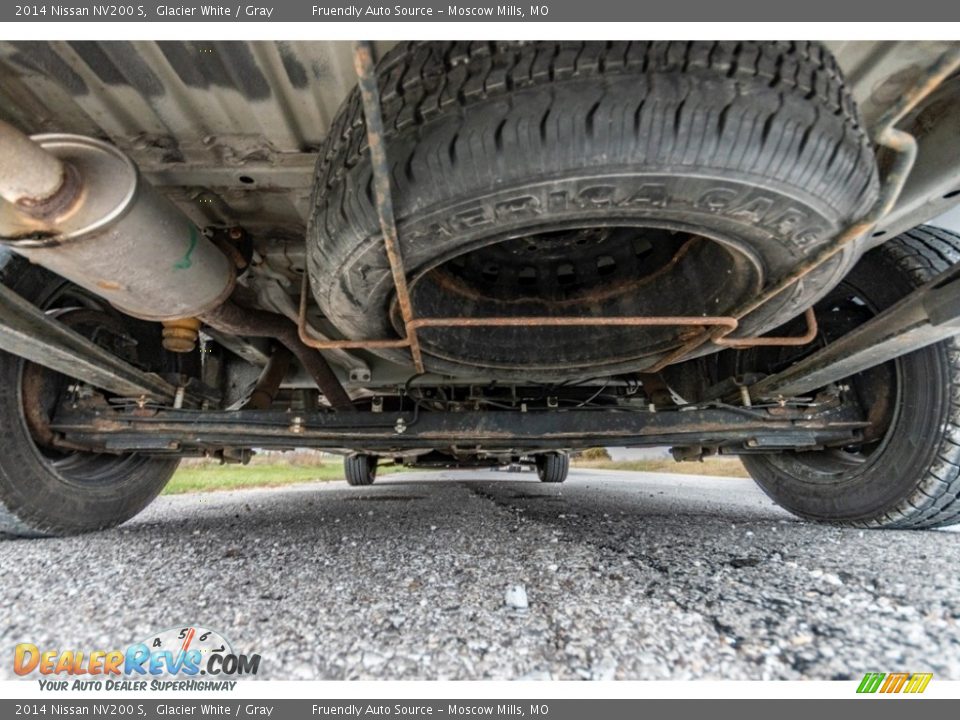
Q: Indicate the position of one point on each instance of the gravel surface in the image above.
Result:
(476, 575)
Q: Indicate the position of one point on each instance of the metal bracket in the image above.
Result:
(929, 314)
(28, 332)
(729, 427)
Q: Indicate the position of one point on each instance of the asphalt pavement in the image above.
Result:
(425, 576)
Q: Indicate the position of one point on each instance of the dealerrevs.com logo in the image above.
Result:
(170, 660)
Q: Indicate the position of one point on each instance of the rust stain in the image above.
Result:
(611, 291)
(32, 389)
(64, 199)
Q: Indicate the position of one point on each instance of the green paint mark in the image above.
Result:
(185, 262)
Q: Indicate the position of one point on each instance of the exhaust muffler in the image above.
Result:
(79, 207)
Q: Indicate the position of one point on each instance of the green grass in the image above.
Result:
(723, 467)
(207, 478)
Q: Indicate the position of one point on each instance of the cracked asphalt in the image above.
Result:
(627, 576)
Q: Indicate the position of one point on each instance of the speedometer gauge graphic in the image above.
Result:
(178, 642)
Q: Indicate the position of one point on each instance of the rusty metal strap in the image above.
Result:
(808, 337)
(369, 92)
(725, 323)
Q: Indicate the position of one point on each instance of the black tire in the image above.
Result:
(910, 476)
(45, 492)
(360, 469)
(509, 159)
(552, 467)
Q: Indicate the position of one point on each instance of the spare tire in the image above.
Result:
(588, 179)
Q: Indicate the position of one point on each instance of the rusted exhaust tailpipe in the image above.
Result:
(79, 207)
(34, 181)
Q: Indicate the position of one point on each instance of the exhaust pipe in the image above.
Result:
(234, 320)
(79, 207)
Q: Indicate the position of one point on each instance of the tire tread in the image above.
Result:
(420, 80)
(923, 253)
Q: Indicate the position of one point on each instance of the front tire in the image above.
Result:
(908, 476)
(360, 469)
(553, 467)
(45, 491)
